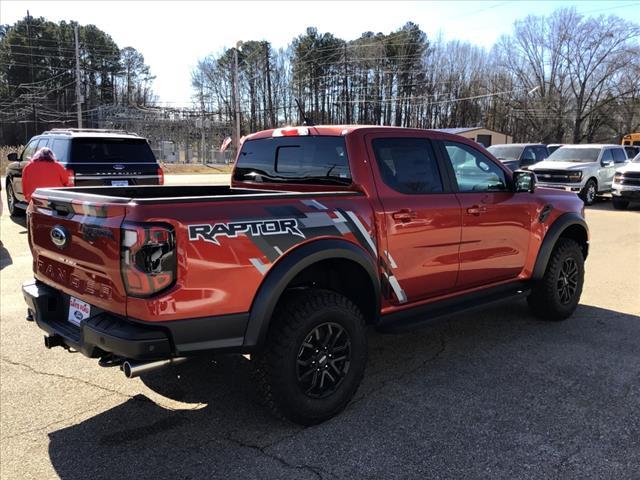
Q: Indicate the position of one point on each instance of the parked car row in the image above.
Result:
(587, 169)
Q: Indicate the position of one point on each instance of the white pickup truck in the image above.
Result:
(584, 169)
(626, 184)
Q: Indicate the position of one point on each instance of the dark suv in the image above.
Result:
(93, 157)
(519, 155)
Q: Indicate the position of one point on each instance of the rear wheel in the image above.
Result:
(314, 358)
(556, 295)
(620, 204)
(589, 192)
(12, 201)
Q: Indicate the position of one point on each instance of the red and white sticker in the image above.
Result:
(78, 311)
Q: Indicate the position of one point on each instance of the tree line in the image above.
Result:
(565, 77)
(38, 76)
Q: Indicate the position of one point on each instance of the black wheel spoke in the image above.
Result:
(323, 360)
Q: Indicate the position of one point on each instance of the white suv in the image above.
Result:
(584, 169)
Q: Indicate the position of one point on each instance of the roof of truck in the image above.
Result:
(335, 130)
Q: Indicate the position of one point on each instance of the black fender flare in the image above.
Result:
(286, 269)
(561, 224)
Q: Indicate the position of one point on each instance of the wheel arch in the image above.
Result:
(334, 264)
(568, 225)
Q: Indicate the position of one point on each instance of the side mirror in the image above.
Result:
(12, 157)
(524, 181)
(606, 163)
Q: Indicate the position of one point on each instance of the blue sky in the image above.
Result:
(173, 35)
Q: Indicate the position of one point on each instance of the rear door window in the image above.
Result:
(60, 148)
(408, 165)
(306, 159)
(111, 150)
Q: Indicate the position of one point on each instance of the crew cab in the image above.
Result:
(519, 155)
(626, 184)
(586, 169)
(325, 230)
(93, 157)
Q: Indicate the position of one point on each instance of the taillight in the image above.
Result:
(71, 177)
(160, 176)
(148, 258)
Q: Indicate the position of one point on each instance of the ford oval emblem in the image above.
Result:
(118, 166)
(59, 236)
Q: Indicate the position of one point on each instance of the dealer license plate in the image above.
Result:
(119, 183)
(78, 311)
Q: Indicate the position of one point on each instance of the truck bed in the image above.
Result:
(173, 193)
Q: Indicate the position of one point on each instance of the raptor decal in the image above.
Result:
(210, 233)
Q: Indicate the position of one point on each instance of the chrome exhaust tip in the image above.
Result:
(132, 369)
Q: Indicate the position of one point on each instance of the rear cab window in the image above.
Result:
(111, 150)
(315, 160)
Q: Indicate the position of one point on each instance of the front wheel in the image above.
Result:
(556, 295)
(589, 192)
(12, 201)
(315, 356)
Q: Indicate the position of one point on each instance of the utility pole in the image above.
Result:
(78, 106)
(346, 86)
(236, 94)
(272, 117)
(33, 105)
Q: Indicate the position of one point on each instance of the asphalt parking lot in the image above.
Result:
(495, 394)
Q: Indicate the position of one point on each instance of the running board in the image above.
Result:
(431, 312)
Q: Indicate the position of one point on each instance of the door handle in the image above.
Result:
(404, 215)
(476, 210)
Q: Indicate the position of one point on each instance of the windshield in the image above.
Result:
(111, 150)
(569, 154)
(506, 152)
(305, 159)
(636, 159)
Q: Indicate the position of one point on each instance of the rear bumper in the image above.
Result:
(106, 333)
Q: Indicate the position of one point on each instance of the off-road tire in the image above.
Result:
(14, 210)
(620, 204)
(296, 318)
(589, 193)
(545, 300)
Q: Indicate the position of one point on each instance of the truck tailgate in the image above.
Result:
(76, 248)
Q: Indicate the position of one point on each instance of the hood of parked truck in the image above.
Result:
(629, 167)
(551, 165)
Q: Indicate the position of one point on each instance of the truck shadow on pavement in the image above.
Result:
(497, 394)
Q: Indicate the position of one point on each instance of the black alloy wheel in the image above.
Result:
(323, 360)
(567, 280)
